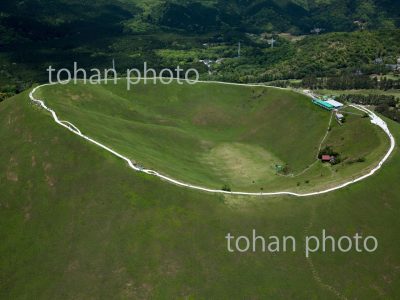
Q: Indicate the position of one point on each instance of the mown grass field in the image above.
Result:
(215, 135)
(75, 223)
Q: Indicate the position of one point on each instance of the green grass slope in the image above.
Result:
(214, 135)
(75, 223)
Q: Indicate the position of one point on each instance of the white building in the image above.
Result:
(335, 103)
(339, 117)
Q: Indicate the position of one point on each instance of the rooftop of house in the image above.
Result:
(323, 103)
(334, 103)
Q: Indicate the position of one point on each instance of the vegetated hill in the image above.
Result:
(334, 54)
(37, 20)
(35, 34)
(272, 15)
(216, 135)
(75, 222)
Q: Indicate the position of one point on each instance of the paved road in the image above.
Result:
(374, 120)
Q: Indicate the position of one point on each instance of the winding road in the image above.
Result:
(376, 120)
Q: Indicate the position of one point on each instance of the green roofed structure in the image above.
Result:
(323, 104)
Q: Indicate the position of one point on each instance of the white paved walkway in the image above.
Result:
(374, 120)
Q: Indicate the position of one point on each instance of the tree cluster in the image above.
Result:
(384, 104)
(350, 82)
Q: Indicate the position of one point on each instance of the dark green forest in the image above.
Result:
(311, 38)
